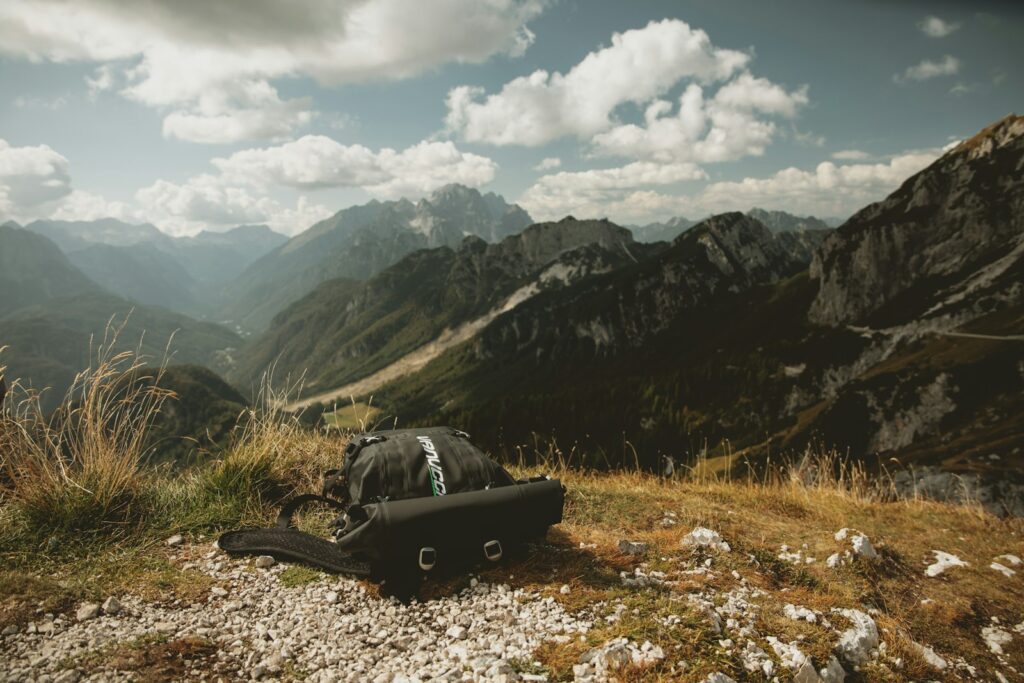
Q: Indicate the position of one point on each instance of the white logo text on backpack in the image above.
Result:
(434, 465)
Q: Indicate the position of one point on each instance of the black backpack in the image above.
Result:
(412, 501)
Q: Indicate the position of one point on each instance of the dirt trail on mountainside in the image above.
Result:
(418, 358)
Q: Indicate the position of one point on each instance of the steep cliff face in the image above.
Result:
(725, 254)
(941, 245)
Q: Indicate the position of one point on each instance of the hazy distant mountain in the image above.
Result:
(360, 241)
(662, 232)
(218, 257)
(146, 265)
(140, 272)
(33, 270)
(50, 342)
(53, 318)
(74, 235)
(780, 221)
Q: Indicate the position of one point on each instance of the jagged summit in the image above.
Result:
(361, 241)
(1000, 133)
(959, 223)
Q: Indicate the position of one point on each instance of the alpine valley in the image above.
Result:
(896, 338)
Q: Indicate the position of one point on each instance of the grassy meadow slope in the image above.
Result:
(98, 530)
(49, 343)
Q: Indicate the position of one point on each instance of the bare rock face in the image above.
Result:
(949, 236)
(725, 254)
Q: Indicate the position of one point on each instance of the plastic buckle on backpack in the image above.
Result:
(367, 440)
(428, 558)
(492, 550)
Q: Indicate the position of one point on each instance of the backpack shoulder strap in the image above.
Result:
(295, 545)
(288, 510)
(283, 541)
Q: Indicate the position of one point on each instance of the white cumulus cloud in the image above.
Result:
(850, 155)
(927, 69)
(199, 60)
(637, 67)
(727, 126)
(32, 179)
(548, 164)
(829, 189)
(934, 27)
(205, 202)
(317, 161)
(600, 192)
(239, 191)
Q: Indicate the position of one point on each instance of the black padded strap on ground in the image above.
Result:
(288, 510)
(294, 545)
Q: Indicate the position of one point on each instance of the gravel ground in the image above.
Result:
(330, 628)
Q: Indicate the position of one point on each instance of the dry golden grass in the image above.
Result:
(81, 471)
(78, 469)
(756, 518)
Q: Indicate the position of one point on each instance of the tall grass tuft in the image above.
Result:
(77, 470)
(271, 456)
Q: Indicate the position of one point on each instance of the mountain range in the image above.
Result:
(150, 267)
(360, 241)
(895, 338)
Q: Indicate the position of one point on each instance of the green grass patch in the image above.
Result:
(299, 575)
(352, 417)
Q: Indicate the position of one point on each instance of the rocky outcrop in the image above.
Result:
(725, 254)
(949, 237)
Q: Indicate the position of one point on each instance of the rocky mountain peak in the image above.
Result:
(958, 224)
(1004, 132)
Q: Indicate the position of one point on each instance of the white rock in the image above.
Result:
(456, 632)
(943, 561)
(996, 638)
(799, 614)
(704, 537)
(755, 659)
(1012, 560)
(862, 547)
(1002, 569)
(112, 606)
(175, 540)
(10, 630)
(565, 590)
(857, 642)
(789, 654)
(929, 655)
(719, 677)
(89, 610)
(833, 671)
(264, 562)
(217, 591)
(331, 597)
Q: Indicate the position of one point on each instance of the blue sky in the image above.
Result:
(196, 115)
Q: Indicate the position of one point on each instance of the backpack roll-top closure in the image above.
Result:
(413, 463)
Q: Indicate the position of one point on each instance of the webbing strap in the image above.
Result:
(288, 510)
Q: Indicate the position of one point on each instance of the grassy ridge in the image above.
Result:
(81, 517)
